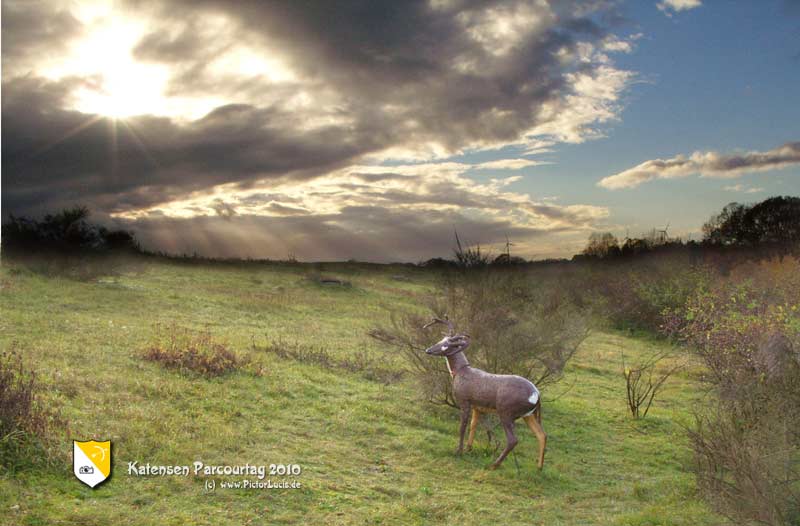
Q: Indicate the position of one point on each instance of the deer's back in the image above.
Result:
(507, 394)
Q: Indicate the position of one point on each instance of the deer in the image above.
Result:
(478, 392)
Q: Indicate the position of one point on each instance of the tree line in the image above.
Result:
(772, 224)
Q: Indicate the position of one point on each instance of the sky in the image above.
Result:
(373, 130)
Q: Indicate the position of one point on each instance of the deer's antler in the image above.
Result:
(451, 330)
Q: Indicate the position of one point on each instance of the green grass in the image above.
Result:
(371, 453)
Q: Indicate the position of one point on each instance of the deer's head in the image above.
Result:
(450, 344)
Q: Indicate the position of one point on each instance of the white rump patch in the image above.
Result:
(533, 398)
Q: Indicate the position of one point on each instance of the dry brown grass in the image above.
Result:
(187, 350)
(28, 424)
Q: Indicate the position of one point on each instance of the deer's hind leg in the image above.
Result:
(476, 417)
(534, 423)
(511, 441)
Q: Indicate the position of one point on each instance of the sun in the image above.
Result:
(113, 83)
(123, 91)
(110, 81)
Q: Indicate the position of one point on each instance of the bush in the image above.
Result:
(747, 451)
(731, 318)
(747, 458)
(29, 428)
(65, 231)
(517, 326)
(196, 351)
(638, 293)
(65, 244)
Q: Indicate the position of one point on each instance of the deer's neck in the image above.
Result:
(456, 362)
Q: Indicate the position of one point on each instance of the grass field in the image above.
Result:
(371, 453)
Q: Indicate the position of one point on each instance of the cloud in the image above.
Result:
(743, 188)
(139, 108)
(399, 215)
(669, 6)
(706, 164)
(429, 187)
(508, 164)
(56, 156)
(365, 233)
(31, 30)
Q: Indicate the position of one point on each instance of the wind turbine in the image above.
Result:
(663, 234)
(509, 244)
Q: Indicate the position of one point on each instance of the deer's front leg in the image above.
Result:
(465, 411)
(473, 424)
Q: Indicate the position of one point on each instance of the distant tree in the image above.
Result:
(634, 246)
(725, 228)
(507, 260)
(67, 230)
(773, 221)
(602, 245)
(438, 263)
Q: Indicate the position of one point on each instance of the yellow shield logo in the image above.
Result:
(91, 461)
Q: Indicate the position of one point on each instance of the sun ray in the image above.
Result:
(114, 146)
(140, 143)
(71, 133)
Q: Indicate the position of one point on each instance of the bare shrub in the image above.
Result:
(746, 456)
(747, 450)
(775, 355)
(28, 425)
(642, 383)
(186, 350)
(365, 364)
(470, 257)
(517, 326)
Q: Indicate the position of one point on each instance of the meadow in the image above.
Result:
(371, 450)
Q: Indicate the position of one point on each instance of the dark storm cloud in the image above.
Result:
(398, 54)
(53, 156)
(31, 29)
(374, 77)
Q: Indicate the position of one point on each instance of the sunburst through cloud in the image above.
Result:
(207, 118)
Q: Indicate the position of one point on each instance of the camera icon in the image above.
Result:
(86, 470)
